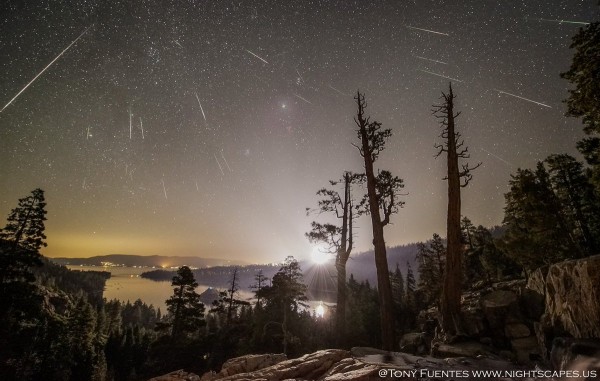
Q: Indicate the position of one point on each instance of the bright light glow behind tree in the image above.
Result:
(319, 256)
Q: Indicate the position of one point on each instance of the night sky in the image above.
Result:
(241, 111)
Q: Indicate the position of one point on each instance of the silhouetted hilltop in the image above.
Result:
(320, 279)
(149, 261)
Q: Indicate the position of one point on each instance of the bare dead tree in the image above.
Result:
(337, 238)
(457, 178)
(381, 201)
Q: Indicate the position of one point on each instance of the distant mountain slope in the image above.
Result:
(320, 279)
(151, 260)
(362, 265)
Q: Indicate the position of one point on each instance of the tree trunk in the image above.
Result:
(284, 329)
(450, 303)
(340, 314)
(385, 290)
(383, 275)
(340, 262)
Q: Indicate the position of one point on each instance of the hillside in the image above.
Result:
(146, 261)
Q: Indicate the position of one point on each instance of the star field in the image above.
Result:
(205, 128)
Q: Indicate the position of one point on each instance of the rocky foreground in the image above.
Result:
(367, 364)
(545, 328)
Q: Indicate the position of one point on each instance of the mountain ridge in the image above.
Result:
(147, 260)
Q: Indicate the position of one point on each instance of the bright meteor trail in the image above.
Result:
(432, 60)
(304, 99)
(497, 157)
(525, 99)
(565, 21)
(439, 75)
(46, 68)
(262, 59)
(200, 104)
(427, 30)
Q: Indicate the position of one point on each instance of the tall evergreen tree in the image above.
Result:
(485, 260)
(411, 285)
(580, 203)
(382, 200)
(185, 309)
(430, 258)
(397, 280)
(468, 229)
(457, 178)
(21, 239)
(537, 230)
(21, 317)
(583, 100)
(363, 314)
(228, 302)
(287, 293)
(25, 223)
(260, 282)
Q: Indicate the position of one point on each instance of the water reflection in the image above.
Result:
(126, 284)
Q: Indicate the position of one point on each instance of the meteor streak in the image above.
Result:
(429, 59)
(226, 163)
(525, 99)
(262, 59)
(219, 164)
(439, 75)
(304, 99)
(130, 127)
(142, 127)
(300, 76)
(44, 69)
(336, 90)
(427, 30)
(497, 157)
(565, 21)
(164, 189)
(200, 104)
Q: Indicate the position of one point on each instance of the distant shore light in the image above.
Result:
(320, 310)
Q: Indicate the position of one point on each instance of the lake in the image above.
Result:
(126, 283)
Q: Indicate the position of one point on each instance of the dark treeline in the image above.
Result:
(216, 276)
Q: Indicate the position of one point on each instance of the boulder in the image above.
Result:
(310, 366)
(415, 343)
(178, 375)
(498, 305)
(573, 296)
(500, 308)
(464, 349)
(474, 323)
(543, 336)
(250, 363)
(516, 330)
(537, 281)
(350, 369)
(532, 303)
(526, 349)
